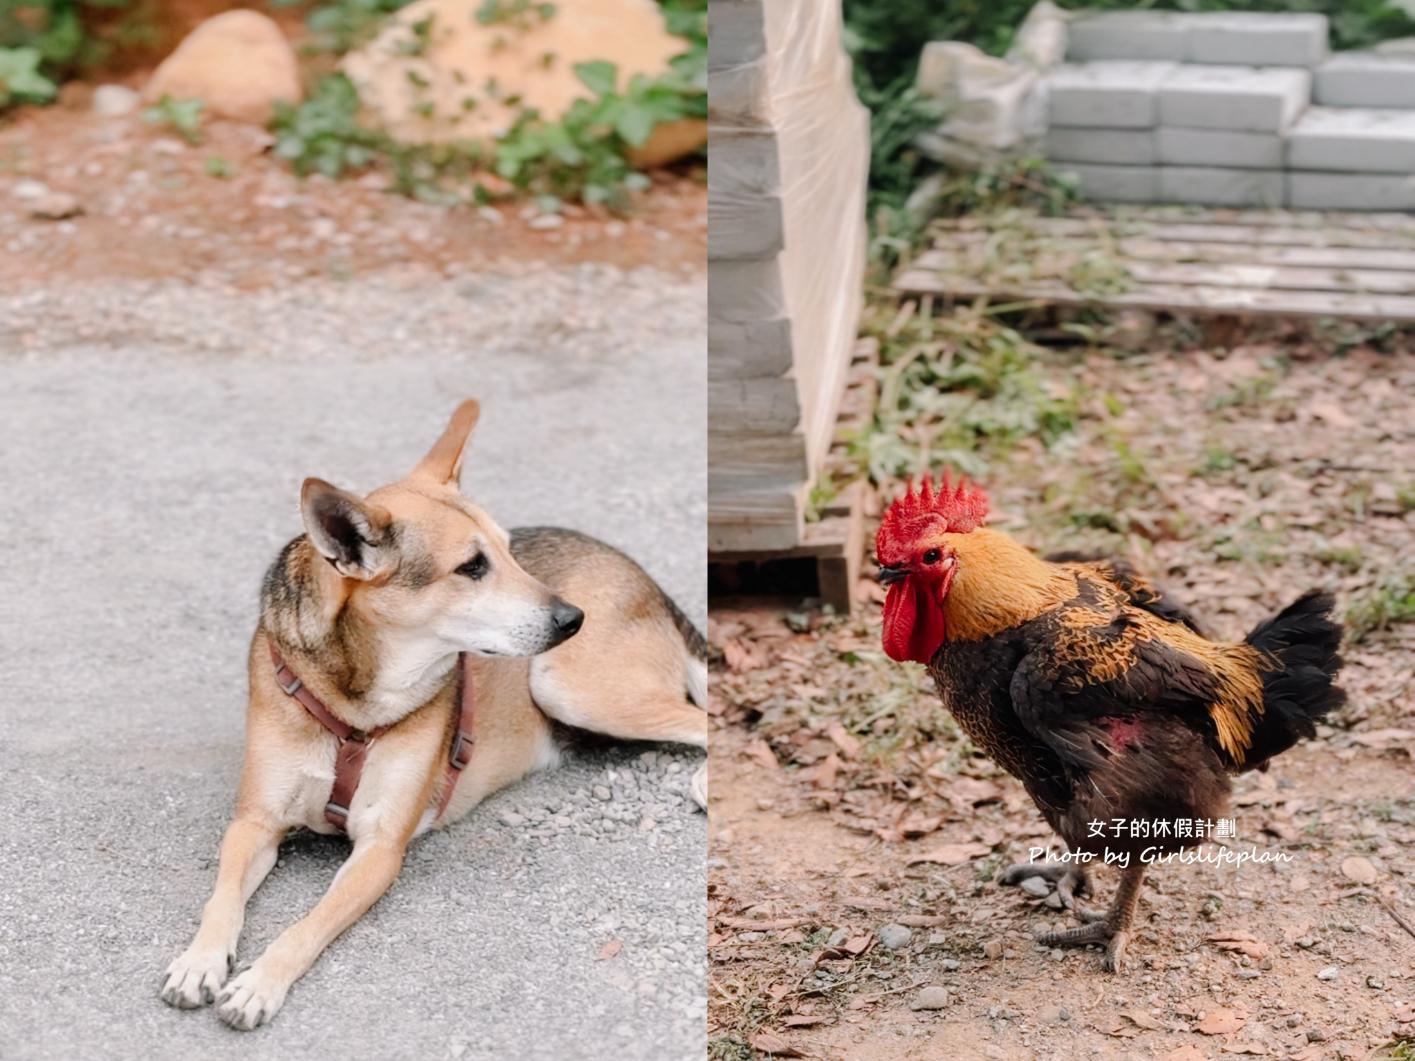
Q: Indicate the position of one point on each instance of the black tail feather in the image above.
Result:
(1305, 640)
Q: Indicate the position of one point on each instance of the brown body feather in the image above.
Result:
(1083, 681)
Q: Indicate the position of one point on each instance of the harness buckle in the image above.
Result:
(294, 685)
(462, 749)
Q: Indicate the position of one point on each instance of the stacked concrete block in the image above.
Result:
(788, 156)
(1352, 158)
(1218, 110)
(1164, 131)
(1365, 79)
(1236, 109)
(1241, 38)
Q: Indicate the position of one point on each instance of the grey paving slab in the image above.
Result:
(1365, 79)
(1350, 191)
(1106, 94)
(1217, 186)
(1257, 38)
(1218, 147)
(1353, 139)
(152, 441)
(1119, 184)
(1125, 147)
(1240, 98)
(1128, 35)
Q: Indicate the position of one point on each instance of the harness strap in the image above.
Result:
(354, 743)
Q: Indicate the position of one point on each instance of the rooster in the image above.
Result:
(1100, 695)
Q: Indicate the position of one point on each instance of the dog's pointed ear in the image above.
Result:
(443, 463)
(350, 533)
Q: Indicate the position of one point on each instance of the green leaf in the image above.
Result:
(634, 124)
(597, 76)
(20, 79)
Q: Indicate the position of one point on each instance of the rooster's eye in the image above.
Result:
(933, 556)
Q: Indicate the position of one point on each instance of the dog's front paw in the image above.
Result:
(194, 978)
(252, 999)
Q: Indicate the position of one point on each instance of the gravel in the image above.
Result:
(152, 440)
(892, 937)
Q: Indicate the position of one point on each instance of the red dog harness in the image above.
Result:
(354, 743)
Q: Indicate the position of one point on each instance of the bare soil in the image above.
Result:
(151, 209)
(845, 800)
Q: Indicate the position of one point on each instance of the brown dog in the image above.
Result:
(395, 625)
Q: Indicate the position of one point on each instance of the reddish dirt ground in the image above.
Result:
(844, 799)
(151, 210)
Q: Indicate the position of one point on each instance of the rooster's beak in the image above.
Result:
(888, 575)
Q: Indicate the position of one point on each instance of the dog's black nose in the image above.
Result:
(566, 618)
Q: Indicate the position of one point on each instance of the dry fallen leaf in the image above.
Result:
(610, 949)
(802, 1020)
(848, 744)
(1358, 869)
(1240, 942)
(760, 751)
(951, 854)
(1143, 1019)
(1220, 1022)
(773, 1045)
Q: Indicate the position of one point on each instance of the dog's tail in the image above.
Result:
(695, 653)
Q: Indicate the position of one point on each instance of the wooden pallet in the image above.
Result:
(1241, 262)
(827, 562)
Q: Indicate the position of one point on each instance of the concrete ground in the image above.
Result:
(152, 441)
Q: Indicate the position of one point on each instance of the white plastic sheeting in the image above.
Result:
(788, 162)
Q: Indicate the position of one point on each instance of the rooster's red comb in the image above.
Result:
(956, 509)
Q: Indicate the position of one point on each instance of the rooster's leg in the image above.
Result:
(1113, 929)
(1071, 880)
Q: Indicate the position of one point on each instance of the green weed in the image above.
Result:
(1391, 601)
(182, 116)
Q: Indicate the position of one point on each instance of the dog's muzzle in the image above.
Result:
(565, 620)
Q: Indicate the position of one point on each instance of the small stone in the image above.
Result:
(1329, 973)
(647, 824)
(839, 936)
(931, 997)
(1036, 887)
(1053, 901)
(510, 817)
(29, 189)
(992, 948)
(546, 221)
(951, 965)
(114, 101)
(1306, 942)
(1315, 1035)
(1248, 974)
(1359, 869)
(893, 936)
(55, 207)
(1376, 983)
(1054, 1015)
(602, 793)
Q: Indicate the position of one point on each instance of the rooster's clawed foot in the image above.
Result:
(1111, 928)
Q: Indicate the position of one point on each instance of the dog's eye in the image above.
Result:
(933, 556)
(476, 567)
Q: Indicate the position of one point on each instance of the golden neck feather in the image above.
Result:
(1000, 583)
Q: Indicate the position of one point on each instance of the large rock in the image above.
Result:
(239, 64)
(438, 73)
